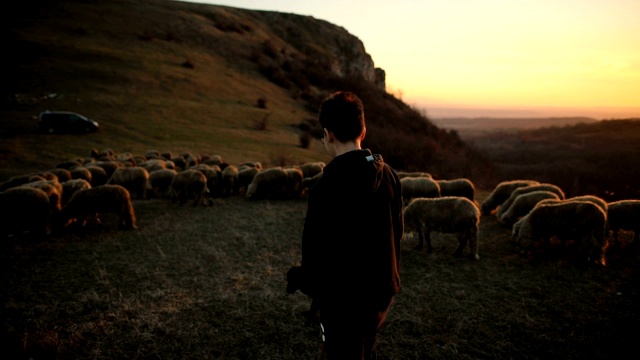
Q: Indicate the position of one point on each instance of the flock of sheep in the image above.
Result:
(79, 191)
(537, 213)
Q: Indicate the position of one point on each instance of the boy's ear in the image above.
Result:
(364, 132)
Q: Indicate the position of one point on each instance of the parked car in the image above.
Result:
(66, 122)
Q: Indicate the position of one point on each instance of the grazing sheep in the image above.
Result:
(501, 193)
(523, 204)
(25, 210)
(294, 183)
(189, 184)
(404, 174)
(311, 169)
(457, 187)
(253, 164)
(160, 183)
(53, 189)
(591, 198)
(271, 183)
(69, 188)
(229, 180)
(624, 215)
(214, 160)
(214, 179)
(581, 221)
(104, 155)
(133, 178)
(98, 175)
(526, 189)
(81, 172)
(295, 282)
(452, 214)
(62, 174)
(245, 176)
(419, 187)
(109, 166)
(154, 164)
(91, 203)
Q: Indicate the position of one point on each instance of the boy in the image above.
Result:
(352, 233)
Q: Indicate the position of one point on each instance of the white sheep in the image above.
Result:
(457, 187)
(245, 176)
(419, 187)
(271, 183)
(311, 169)
(189, 184)
(229, 180)
(53, 189)
(69, 188)
(501, 193)
(451, 214)
(581, 221)
(624, 215)
(591, 198)
(90, 203)
(160, 182)
(526, 189)
(523, 204)
(25, 209)
(133, 178)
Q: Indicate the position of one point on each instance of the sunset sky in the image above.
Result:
(494, 57)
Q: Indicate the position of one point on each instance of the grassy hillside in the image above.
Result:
(174, 76)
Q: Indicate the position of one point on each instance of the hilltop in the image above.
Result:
(184, 77)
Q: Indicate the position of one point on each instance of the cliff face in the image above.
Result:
(338, 51)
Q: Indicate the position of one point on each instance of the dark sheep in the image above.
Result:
(91, 203)
(25, 210)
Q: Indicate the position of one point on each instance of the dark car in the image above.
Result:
(66, 122)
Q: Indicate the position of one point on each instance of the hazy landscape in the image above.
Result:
(208, 282)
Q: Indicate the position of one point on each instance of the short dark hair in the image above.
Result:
(343, 114)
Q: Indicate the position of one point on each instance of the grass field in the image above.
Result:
(209, 283)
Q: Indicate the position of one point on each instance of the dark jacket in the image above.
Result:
(352, 231)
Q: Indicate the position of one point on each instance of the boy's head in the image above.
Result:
(342, 113)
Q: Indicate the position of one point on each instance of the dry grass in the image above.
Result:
(208, 282)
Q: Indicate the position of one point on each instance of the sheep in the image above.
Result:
(109, 166)
(98, 175)
(311, 169)
(53, 189)
(189, 184)
(160, 182)
(91, 203)
(214, 160)
(214, 179)
(253, 164)
(523, 203)
(62, 174)
(21, 180)
(624, 215)
(501, 193)
(525, 189)
(133, 178)
(229, 180)
(154, 164)
(404, 174)
(419, 187)
(591, 198)
(581, 221)
(81, 172)
(271, 183)
(457, 187)
(451, 214)
(69, 187)
(25, 210)
(245, 176)
(294, 183)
